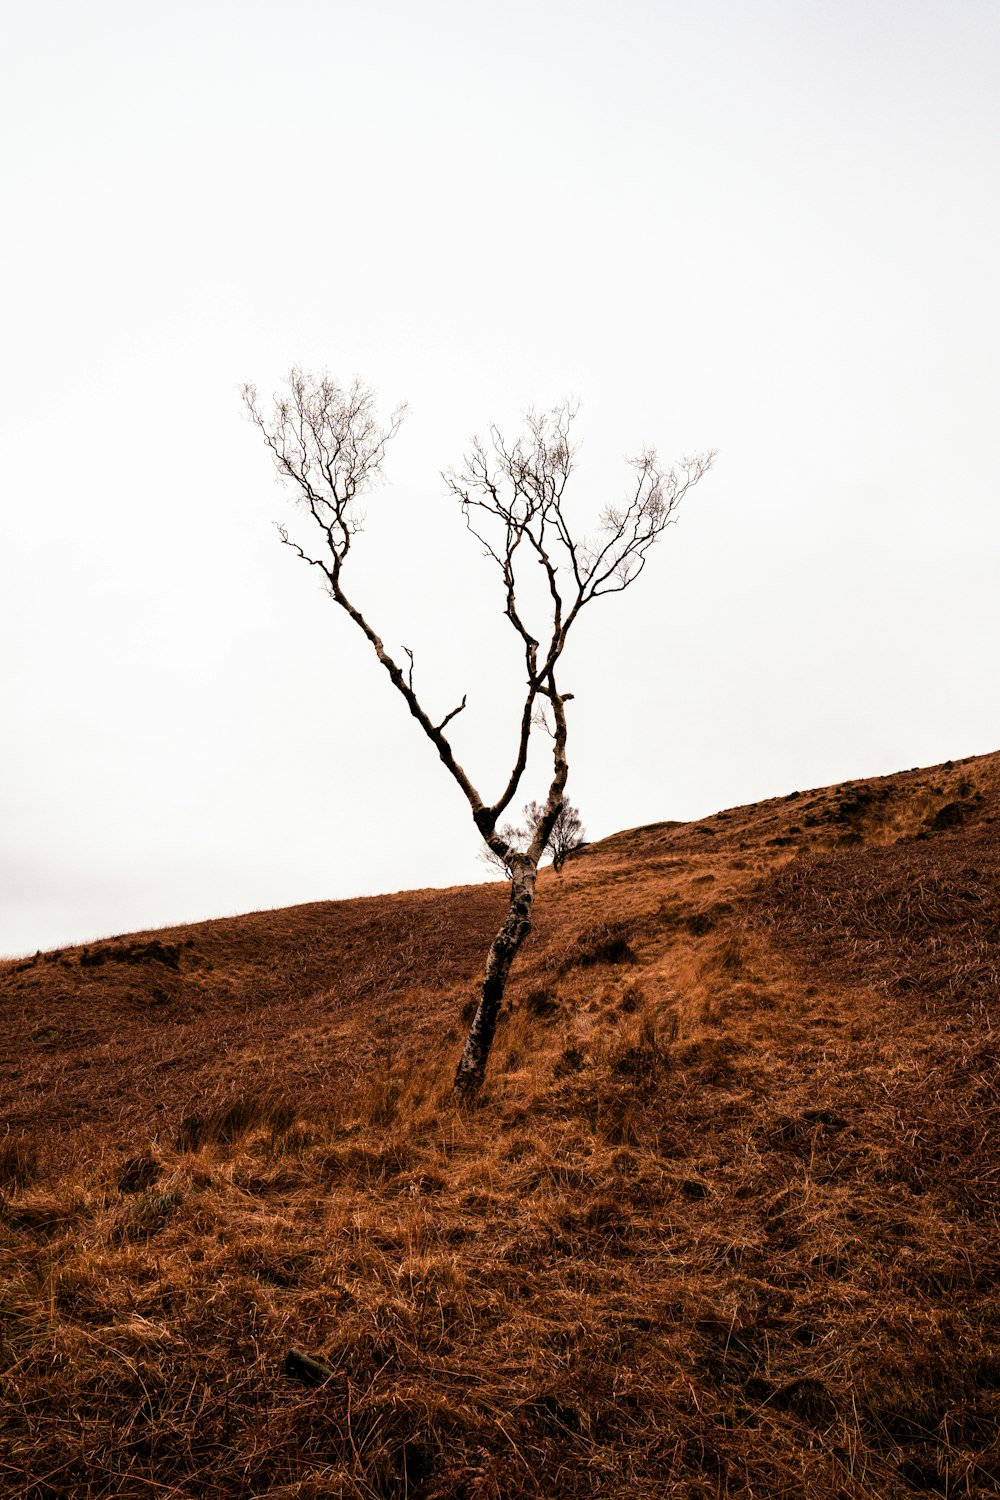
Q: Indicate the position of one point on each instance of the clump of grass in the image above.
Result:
(541, 1001)
(146, 1214)
(295, 1139)
(138, 1173)
(227, 1121)
(19, 1161)
(700, 922)
(731, 956)
(570, 1060)
(601, 943)
(641, 1053)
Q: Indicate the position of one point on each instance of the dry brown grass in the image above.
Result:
(724, 1226)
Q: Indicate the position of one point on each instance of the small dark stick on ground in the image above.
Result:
(302, 1366)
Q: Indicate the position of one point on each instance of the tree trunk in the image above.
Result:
(503, 950)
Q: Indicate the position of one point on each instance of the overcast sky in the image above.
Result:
(764, 226)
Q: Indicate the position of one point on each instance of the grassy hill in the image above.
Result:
(724, 1223)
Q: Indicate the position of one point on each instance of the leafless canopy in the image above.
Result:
(329, 444)
(513, 498)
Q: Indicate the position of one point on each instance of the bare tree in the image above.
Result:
(566, 836)
(329, 445)
(567, 831)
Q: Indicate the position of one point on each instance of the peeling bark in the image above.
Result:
(503, 951)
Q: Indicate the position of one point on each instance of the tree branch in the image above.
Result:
(448, 717)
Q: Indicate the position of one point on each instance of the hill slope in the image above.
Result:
(724, 1225)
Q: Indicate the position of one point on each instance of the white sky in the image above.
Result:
(766, 226)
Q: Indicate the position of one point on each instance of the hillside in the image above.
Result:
(724, 1224)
